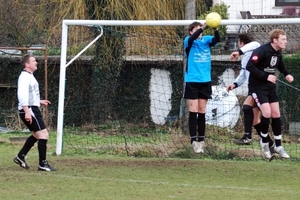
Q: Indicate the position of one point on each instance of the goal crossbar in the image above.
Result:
(178, 22)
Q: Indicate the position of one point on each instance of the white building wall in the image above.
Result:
(256, 7)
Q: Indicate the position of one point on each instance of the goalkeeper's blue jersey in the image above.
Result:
(198, 60)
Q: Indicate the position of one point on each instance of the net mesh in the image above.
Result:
(123, 96)
(141, 113)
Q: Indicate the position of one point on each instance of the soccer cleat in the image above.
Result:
(281, 152)
(243, 141)
(268, 156)
(272, 148)
(201, 146)
(21, 162)
(195, 147)
(44, 166)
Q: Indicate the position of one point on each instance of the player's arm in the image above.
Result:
(252, 65)
(244, 74)
(195, 35)
(23, 91)
(284, 71)
(23, 94)
(188, 43)
(216, 38)
(246, 48)
(282, 68)
(45, 102)
(242, 77)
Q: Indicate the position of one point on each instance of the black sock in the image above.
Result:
(27, 146)
(257, 128)
(201, 126)
(276, 127)
(264, 128)
(248, 120)
(42, 147)
(193, 126)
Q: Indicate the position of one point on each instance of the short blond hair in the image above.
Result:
(275, 34)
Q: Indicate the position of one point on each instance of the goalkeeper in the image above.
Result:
(198, 80)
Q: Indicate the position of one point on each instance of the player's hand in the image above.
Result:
(230, 87)
(289, 78)
(45, 102)
(272, 78)
(234, 56)
(203, 27)
(28, 117)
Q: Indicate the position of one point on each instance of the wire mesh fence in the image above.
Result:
(136, 107)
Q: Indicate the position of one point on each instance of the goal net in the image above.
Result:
(127, 98)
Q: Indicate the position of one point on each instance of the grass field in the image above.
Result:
(119, 177)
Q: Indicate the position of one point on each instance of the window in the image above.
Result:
(287, 2)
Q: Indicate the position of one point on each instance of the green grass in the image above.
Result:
(95, 176)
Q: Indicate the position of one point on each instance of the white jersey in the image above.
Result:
(247, 50)
(28, 90)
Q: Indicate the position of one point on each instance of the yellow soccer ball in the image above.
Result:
(213, 20)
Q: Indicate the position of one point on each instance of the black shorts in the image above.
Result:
(197, 90)
(265, 95)
(37, 119)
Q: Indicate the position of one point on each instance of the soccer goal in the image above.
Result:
(129, 100)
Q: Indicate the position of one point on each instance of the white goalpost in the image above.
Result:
(99, 23)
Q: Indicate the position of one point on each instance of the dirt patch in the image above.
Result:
(18, 139)
(83, 163)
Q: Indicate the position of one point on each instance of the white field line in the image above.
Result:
(152, 182)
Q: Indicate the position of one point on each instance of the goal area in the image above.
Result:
(127, 97)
